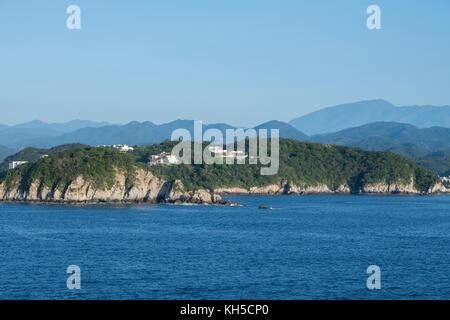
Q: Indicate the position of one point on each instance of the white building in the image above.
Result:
(236, 154)
(164, 158)
(15, 164)
(216, 149)
(122, 148)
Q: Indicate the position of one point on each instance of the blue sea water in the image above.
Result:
(307, 247)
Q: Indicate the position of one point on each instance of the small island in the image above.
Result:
(84, 174)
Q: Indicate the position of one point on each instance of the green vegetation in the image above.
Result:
(94, 164)
(32, 154)
(301, 163)
(307, 164)
(438, 162)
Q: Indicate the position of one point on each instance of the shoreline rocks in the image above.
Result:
(149, 189)
(285, 188)
(145, 189)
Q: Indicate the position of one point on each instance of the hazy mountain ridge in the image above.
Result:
(389, 135)
(5, 152)
(61, 127)
(133, 133)
(331, 119)
(423, 145)
(35, 132)
(438, 162)
(402, 138)
(340, 117)
(286, 130)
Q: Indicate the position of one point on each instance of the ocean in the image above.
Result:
(305, 247)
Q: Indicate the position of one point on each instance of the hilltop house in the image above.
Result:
(164, 158)
(236, 154)
(218, 150)
(15, 164)
(122, 148)
(168, 158)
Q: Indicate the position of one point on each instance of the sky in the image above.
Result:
(240, 62)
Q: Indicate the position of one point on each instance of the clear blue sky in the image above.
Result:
(241, 62)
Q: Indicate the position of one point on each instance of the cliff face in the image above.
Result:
(285, 188)
(145, 188)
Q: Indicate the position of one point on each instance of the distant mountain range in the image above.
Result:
(34, 132)
(286, 130)
(328, 120)
(58, 127)
(350, 115)
(374, 136)
(4, 152)
(424, 134)
(430, 147)
(140, 133)
(389, 135)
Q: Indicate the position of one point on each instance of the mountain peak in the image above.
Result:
(285, 129)
(32, 124)
(343, 116)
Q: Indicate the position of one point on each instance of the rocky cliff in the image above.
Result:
(105, 175)
(285, 188)
(146, 188)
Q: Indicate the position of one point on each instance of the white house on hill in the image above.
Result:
(15, 164)
(164, 158)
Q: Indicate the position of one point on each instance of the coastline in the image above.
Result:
(223, 202)
(147, 188)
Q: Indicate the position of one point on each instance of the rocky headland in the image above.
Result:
(99, 175)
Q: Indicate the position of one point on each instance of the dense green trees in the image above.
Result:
(300, 163)
(95, 164)
(307, 164)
